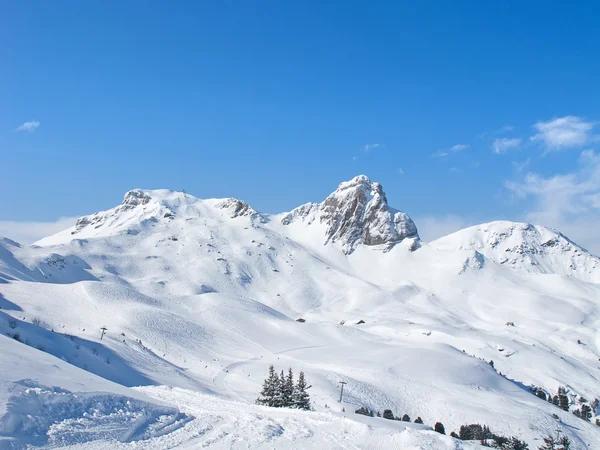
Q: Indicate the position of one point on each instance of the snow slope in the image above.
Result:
(202, 295)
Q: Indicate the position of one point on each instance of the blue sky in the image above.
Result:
(465, 112)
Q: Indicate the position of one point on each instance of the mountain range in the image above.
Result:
(197, 297)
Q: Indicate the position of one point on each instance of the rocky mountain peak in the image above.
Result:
(357, 213)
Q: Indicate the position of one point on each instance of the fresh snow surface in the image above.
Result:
(199, 297)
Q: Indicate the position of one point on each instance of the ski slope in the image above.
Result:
(199, 297)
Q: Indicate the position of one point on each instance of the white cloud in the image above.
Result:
(400, 171)
(520, 166)
(459, 147)
(568, 202)
(29, 232)
(29, 127)
(434, 227)
(440, 154)
(563, 132)
(502, 145)
(506, 128)
(368, 148)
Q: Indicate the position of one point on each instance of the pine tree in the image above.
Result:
(586, 412)
(288, 389)
(418, 420)
(439, 427)
(365, 411)
(301, 398)
(540, 393)
(563, 399)
(556, 443)
(405, 418)
(388, 414)
(517, 444)
(279, 400)
(564, 442)
(270, 389)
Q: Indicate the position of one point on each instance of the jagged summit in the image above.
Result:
(356, 213)
(524, 246)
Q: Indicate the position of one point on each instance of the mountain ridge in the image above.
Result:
(356, 214)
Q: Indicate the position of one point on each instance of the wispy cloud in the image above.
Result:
(28, 127)
(368, 148)
(569, 202)
(502, 145)
(400, 171)
(563, 132)
(459, 147)
(440, 154)
(506, 128)
(520, 166)
(29, 232)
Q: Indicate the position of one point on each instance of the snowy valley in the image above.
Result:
(198, 297)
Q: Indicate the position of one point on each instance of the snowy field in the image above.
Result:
(199, 297)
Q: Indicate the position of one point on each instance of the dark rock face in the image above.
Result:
(239, 208)
(357, 213)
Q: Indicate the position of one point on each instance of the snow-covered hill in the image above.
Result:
(525, 247)
(202, 295)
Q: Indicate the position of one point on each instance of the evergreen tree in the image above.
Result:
(540, 393)
(270, 389)
(439, 427)
(563, 399)
(564, 442)
(279, 400)
(454, 435)
(586, 412)
(301, 398)
(288, 389)
(365, 411)
(418, 420)
(474, 432)
(405, 418)
(388, 414)
(556, 443)
(516, 444)
(378, 414)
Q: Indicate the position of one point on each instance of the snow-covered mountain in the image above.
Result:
(526, 247)
(202, 295)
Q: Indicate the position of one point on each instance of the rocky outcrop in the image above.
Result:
(357, 213)
(132, 199)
